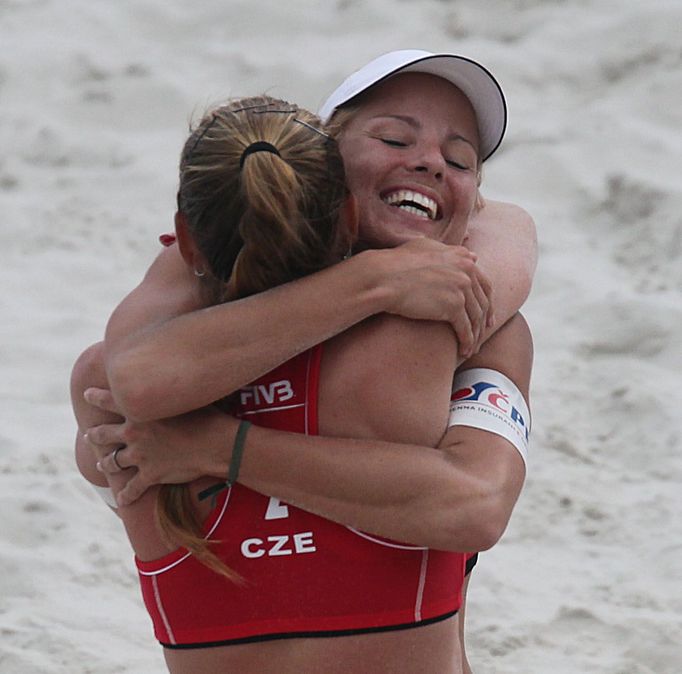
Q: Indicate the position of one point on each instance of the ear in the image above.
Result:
(188, 249)
(349, 215)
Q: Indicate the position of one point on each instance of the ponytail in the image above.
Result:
(179, 526)
(262, 186)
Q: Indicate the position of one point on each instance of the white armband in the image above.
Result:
(488, 400)
(107, 495)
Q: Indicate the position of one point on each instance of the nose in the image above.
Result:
(429, 159)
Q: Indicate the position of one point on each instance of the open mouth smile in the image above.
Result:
(412, 202)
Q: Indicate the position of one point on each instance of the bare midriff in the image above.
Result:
(429, 648)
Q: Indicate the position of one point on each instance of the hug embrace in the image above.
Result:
(312, 413)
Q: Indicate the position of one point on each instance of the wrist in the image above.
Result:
(373, 270)
(219, 454)
(231, 475)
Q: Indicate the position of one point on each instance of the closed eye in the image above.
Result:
(456, 165)
(392, 142)
(459, 165)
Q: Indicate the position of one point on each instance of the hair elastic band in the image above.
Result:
(258, 146)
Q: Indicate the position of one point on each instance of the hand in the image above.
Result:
(167, 451)
(435, 281)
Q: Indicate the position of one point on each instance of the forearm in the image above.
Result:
(164, 356)
(458, 496)
(89, 371)
(409, 493)
(194, 359)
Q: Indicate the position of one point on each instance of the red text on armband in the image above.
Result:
(481, 392)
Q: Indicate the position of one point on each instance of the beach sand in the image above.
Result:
(94, 103)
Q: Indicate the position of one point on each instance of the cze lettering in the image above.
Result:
(279, 546)
(277, 391)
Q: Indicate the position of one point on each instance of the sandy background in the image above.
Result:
(94, 102)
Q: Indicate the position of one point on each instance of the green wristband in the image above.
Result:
(237, 452)
(235, 463)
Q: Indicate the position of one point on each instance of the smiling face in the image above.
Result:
(411, 157)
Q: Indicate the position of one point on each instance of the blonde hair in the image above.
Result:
(260, 219)
(275, 218)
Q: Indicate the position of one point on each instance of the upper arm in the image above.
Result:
(509, 351)
(489, 458)
(504, 238)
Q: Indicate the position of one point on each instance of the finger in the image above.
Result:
(483, 290)
(102, 398)
(114, 462)
(100, 451)
(475, 314)
(484, 304)
(468, 253)
(491, 320)
(465, 336)
(132, 491)
(487, 289)
(106, 434)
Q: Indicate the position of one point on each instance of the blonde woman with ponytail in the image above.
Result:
(260, 201)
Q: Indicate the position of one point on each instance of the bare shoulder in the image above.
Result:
(503, 236)
(503, 212)
(167, 290)
(392, 379)
(168, 272)
(505, 221)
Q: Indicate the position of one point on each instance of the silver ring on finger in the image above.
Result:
(115, 458)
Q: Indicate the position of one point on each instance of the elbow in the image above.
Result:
(483, 525)
(131, 389)
(486, 533)
(88, 370)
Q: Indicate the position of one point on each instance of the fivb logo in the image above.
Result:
(266, 394)
(486, 393)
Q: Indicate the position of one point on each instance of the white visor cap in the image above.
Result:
(477, 83)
